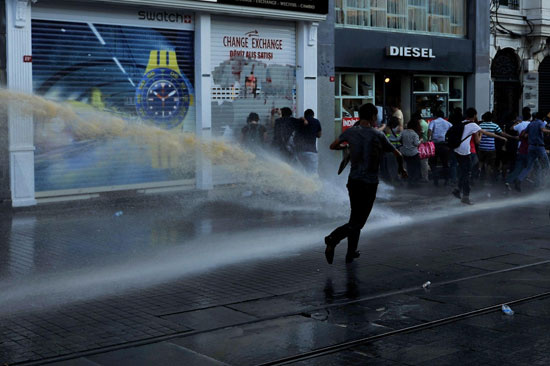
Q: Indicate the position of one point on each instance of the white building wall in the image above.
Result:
(19, 78)
(530, 42)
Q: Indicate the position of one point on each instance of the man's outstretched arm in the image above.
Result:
(400, 167)
(337, 145)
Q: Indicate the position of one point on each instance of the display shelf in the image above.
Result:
(352, 91)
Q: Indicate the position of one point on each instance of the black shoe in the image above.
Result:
(350, 258)
(456, 193)
(329, 250)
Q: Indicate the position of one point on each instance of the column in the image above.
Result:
(478, 84)
(306, 68)
(203, 96)
(20, 125)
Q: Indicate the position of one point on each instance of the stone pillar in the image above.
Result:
(306, 68)
(20, 125)
(478, 84)
(328, 160)
(203, 95)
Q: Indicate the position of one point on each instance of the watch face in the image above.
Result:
(163, 97)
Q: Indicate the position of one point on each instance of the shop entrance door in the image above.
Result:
(507, 95)
(388, 91)
(505, 75)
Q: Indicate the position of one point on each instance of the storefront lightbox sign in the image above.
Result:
(308, 6)
(410, 52)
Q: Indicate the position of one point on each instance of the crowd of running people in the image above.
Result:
(508, 153)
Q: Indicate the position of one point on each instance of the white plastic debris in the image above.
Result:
(319, 316)
(118, 213)
(426, 285)
(507, 310)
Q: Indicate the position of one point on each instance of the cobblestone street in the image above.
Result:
(75, 285)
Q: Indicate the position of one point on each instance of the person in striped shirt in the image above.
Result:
(487, 150)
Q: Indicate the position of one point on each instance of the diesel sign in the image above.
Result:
(413, 52)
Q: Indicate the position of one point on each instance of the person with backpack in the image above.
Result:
(283, 129)
(367, 146)
(459, 139)
(253, 135)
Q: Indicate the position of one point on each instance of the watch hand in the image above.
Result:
(158, 96)
(172, 93)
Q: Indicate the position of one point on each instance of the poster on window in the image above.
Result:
(144, 76)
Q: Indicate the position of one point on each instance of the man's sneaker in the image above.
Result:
(350, 258)
(466, 200)
(329, 250)
(456, 193)
(508, 186)
(517, 185)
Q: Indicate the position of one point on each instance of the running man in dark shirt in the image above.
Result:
(367, 146)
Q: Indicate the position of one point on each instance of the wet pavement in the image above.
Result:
(244, 282)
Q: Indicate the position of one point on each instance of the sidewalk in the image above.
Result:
(134, 289)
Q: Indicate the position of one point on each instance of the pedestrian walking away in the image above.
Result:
(436, 133)
(283, 129)
(367, 146)
(305, 141)
(469, 130)
(537, 152)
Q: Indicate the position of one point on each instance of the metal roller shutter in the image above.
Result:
(114, 69)
(253, 70)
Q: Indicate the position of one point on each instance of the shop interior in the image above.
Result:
(410, 92)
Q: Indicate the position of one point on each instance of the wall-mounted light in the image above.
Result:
(387, 80)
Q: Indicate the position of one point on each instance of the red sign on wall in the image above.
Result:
(348, 122)
(27, 58)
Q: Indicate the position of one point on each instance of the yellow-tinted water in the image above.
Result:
(53, 120)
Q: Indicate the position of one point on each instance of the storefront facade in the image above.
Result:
(421, 57)
(182, 66)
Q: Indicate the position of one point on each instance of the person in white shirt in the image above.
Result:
(436, 132)
(462, 153)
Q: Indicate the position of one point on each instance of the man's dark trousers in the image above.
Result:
(464, 171)
(361, 197)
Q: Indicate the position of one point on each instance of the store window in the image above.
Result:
(352, 90)
(443, 17)
(141, 75)
(437, 92)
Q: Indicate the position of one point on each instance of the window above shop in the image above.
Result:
(510, 4)
(441, 17)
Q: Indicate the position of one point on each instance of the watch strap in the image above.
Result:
(163, 58)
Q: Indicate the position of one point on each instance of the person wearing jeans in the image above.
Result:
(462, 154)
(411, 140)
(436, 133)
(537, 152)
